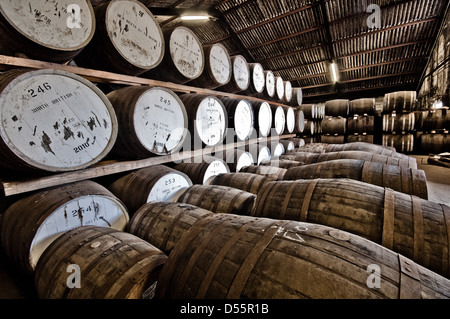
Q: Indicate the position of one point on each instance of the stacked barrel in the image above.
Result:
(399, 120)
(313, 115)
(361, 120)
(334, 125)
(434, 136)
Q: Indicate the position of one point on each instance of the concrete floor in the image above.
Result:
(14, 285)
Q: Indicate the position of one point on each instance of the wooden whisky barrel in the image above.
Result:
(184, 58)
(240, 117)
(289, 145)
(162, 224)
(33, 222)
(200, 172)
(217, 70)
(434, 143)
(361, 106)
(386, 150)
(332, 139)
(218, 199)
(412, 226)
(334, 125)
(403, 143)
(406, 180)
(279, 119)
(338, 107)
(264, 154)
(399, 102)
(398, 122)
(262, 258)
(263, 118)
(257, 79)
(309, 127)
(45, 30)
(152, 121)
(111, 264)
(248, 182)
(277, 149)
(297, 97)
(360, 124)
(127, 40)
(310, 111)
(53, 121)
(269, 87)
(287, 98)
(437, 120)
(150, 184)
(299, 121)
(289, 114)
(272, 172)
(241, 158)
(366, 138)
(309, 158)
(282, 163)
(240, 76)
(207, 119)
(279, 89)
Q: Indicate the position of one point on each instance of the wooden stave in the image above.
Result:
(218, 199)
(146, 223)
(367, 203)
(266, 273)
(310, 158)
(127, 145)
(248, 182)
(405, 180)
(11, 160)
(47, 201)
(127, 268)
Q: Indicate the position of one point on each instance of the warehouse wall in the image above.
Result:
(436, 86)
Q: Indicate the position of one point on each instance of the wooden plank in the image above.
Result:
(14, 187)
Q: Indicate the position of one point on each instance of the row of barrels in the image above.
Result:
(303, 208)
(123, 36)
(58, 121)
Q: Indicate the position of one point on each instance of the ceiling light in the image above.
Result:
(192, 18)
(334, 71)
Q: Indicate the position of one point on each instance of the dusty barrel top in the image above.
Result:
(54, 120)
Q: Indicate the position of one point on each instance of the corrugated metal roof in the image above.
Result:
(297, 40)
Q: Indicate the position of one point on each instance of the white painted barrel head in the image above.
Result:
(279, 120)
(264, 155)
(258, 77)
(55, 120)
(278, 150)
(135, 33)
(243, 160)
(241, 72)
(186, 52)
(160, 121)
(215, 168)
(220, 64)
(290, 146)
(270, 83)
(64, 25)
(243, 120)
(167, 186)
(98, 210)
(211, 121)
(279, 85)
(265, 118)
(290, 119)
(287, 91)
